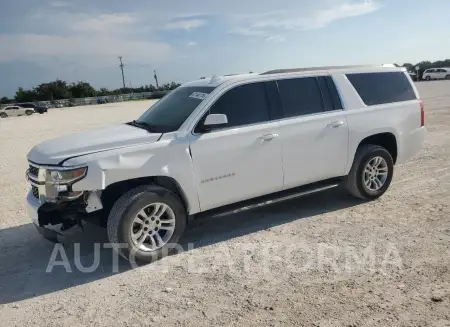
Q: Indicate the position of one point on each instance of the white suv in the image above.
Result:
(436, 73)
(227, 144)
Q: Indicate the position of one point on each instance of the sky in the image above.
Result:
(80, 40)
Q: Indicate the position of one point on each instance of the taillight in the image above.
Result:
(422, 113)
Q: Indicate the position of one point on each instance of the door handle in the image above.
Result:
(267, 137)
(336, 123)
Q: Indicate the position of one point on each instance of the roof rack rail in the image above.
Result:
(296, 70)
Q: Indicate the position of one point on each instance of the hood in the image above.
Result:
(54, 151)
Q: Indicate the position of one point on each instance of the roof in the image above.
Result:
(218, 80)
(307, 69)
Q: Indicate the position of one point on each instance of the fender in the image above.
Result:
(169, 157)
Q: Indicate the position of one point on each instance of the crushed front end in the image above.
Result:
(52, 204)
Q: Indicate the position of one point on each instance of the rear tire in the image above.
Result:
(369, 183)
(28, 112)
(137, 205)
(3, 114)
(447, 77)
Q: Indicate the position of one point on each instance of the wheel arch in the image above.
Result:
(113, 191)
(385, 139)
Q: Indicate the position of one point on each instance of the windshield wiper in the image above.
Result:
(143, 125)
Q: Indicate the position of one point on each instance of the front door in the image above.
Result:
(243, 159)
(12, 111)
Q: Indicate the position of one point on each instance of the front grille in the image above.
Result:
(35, 191)
(33, 171)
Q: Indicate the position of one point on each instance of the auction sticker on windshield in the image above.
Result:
(199, 95)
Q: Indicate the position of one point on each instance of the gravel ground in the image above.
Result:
(323, 260)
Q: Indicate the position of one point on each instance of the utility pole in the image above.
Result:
(156, 79)
(123, 76)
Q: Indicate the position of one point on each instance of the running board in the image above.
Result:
(269, 199)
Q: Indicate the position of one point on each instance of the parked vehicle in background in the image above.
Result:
(35, 107)
(13, 111)
(413, 76)
(102, 100)
(436, 73)
(227, 144)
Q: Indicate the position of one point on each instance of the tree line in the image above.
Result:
(58, 90)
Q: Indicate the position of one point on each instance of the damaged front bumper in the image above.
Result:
(55, 217)
(53, 207)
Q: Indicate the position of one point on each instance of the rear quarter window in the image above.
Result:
(382, 88)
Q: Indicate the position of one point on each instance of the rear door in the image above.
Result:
(243, 159)
(441, 73)
(435, 74)
(314, 130)
(21, 110)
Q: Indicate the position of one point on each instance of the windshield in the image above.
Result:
(169, 113)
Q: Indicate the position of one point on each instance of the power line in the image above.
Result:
(123, 76)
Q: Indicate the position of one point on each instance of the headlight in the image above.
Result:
(58, 177)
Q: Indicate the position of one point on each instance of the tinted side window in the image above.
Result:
(273, 97)
(326, 96)
(243, 105)
(300, 96)
(380, 88)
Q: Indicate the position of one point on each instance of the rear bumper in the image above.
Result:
(410, 144)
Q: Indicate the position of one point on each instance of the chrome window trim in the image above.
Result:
(279, 120)
(273, 78)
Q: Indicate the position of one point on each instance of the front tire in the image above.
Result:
(146, 223)
(447, 77)
(428, 78)
(28, 112)
(371, 172)
(3, 115)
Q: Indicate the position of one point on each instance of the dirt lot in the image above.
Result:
(323, 260)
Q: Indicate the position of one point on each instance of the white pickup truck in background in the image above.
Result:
(217, 145)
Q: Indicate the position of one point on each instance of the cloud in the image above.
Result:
(89, 50)
(60, 4)
(248, 31)
(265, 24)
(185, 24)
(191, 44)
(105, 23)
(276, 39)
(87, 39)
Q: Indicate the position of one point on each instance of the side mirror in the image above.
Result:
(213, 121)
